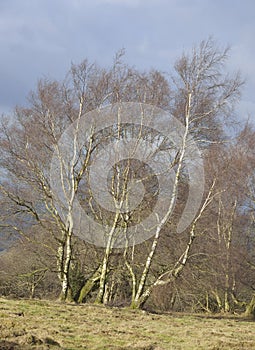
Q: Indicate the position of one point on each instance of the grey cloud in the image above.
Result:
(42, 37)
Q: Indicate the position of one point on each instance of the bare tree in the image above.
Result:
(203, 96)
(33, 135)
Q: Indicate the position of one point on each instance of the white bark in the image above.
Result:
(141, 285)
(174, 272)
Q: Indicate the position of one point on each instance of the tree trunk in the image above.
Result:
(141, 295)
(108, 249)
(250, 310)
(218, 300)
(89, 285)
(103, 276)
(64, 260)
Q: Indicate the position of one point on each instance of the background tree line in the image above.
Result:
(210, 266)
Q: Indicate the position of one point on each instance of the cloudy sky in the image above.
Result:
(40, 38)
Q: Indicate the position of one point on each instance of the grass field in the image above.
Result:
(26, 324)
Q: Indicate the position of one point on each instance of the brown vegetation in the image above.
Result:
(50, 325)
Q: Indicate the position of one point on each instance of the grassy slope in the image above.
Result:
(38, 324)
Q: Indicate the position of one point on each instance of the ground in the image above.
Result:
(34, 324)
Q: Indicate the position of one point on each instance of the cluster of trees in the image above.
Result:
(210, 266)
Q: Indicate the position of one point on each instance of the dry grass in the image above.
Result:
(26, 324)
